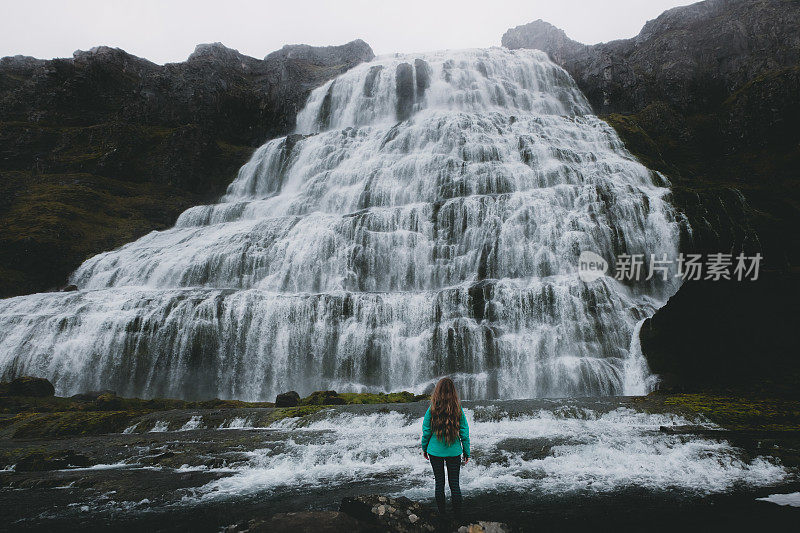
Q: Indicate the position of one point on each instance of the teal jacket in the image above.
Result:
(434, 446)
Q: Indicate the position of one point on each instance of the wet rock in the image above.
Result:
(400, 515)
(109, 402)
(41, 462)
(323, 397)
(369, 82)
(287, 399)
(91, 396)
(31, 386)
(324, 116)
(423, 71)
(69, 288)
(404, 80)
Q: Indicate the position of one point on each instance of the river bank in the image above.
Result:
(667, 459)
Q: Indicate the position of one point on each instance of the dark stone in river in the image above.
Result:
(41, 462)
(287, 399)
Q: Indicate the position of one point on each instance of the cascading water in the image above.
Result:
(426, 219)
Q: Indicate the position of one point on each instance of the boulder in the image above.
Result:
(323, 397)
(91, 396)
(287, 399)
(31, 386)
(400, 514)
(109, 402)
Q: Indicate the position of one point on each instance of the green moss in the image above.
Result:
(294, 412)
(740, 413)
(71, 423)
(380, 397)
(56, 417)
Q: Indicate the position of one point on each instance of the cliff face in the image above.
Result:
(709, 94)
(101, 148)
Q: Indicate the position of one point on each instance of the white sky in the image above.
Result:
(166, 31)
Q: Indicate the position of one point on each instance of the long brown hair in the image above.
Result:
(445, 411)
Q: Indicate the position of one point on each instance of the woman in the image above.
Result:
(445, 435)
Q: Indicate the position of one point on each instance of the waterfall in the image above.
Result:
(425, 219)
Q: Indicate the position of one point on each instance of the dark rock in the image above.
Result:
(116, 143)
(31, 386)
(717, 334)
(423, 72)
(393, 514)
(708, 94)
(369, 82)
(308, 522)
(91, 395)
(287, 399)
(41, 462)
(689, 56)
(404, 80)
(69, 288)
(324, 116)
(109, 402)
(323, 397)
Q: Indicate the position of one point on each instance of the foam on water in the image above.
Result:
(196, 422)
(160, 426)
(792, 499)
(549, 452)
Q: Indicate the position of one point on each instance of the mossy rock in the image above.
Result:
(382, 397)
(70, 423)
(325, 397)
(740, 413)
(31, 386)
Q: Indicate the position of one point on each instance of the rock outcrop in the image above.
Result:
(287, 399)
(28, 386)
(100, 148)
(709, 94)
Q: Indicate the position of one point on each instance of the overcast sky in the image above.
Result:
(165, 31)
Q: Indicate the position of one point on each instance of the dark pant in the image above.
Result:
(453, 469)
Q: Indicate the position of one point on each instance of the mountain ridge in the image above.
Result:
(101, 148)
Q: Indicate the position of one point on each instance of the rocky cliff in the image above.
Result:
(709, 94)
(98, 149)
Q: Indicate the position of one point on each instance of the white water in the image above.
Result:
(580, 450)
(381, 253)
